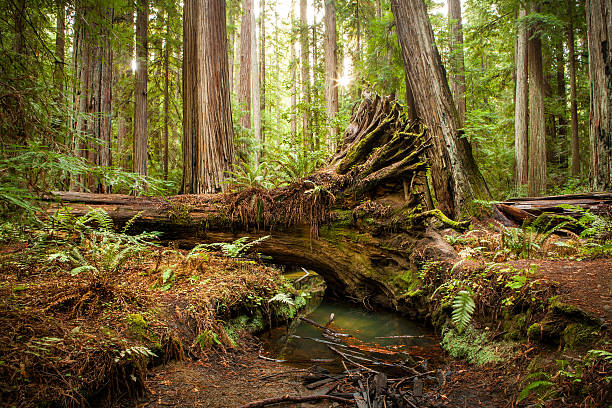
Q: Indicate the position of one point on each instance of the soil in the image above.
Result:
(238, 377)
(223, 380)
(585, 284)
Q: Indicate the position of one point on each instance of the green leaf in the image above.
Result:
(83, 268)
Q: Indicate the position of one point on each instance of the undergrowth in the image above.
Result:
(86, 308)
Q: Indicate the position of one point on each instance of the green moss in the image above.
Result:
(473, 346)
(407, 284)
(561, 308)
(137, 325)
(515, 325)
(251, 324)
(579, 336)
(535, 331)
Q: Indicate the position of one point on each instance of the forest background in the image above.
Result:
(93, 91)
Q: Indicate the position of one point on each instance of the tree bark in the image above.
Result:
(331, 71)
(166, 94)
(244, 85)
(457, 82)
(293, 90)
(599, 28)
(231, 46)
(262, 72)
(60, 42)
(256, 91)
(455, 175)
(95, 92)
(561, 121)
(19, 24)
(521, 143)
(305, 64)
(536, 183)
(573, 103)
(208, 141)
(140, 88)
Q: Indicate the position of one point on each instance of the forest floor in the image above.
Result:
(168, 328)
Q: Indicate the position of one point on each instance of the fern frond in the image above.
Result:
(534, 386)
(282, 298)
(463, 308)
(131, 222)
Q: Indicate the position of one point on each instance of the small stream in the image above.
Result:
(378, 335)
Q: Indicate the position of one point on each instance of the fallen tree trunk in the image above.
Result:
(356, 222)
(519, 210)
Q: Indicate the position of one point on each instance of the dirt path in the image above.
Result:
(223, 381)
(586, 284)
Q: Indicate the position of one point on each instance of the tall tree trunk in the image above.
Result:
(140, 88)
(19, 23)
(208, 141)
(331, 71)
(455, 175)
(378, 10)
(573, 104)
(315, 90)
(166, 86)
(106, 97)
(562, 123)
(232, 53)
(256, 91)
(305, 63)
(536, 184)
(599, 27)
(60, 42)
(262, 71)
(124, 100)
(457, 80)
(95, 94)
(293, 63)
(244, 85)
(521, 143)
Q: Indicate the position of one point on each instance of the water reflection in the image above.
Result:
(380, 335)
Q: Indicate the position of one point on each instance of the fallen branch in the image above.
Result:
(293, 398)
(325, 329)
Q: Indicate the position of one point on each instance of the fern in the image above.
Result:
(540, 385)
(282, 298)
(135, 351)
(606, 355)
(131, 222)
(235, 249)
(463, 308)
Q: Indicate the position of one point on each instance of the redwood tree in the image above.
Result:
(536, 180)
(599, 27)
(457, 79)
(140, 88)
(331, 68)
(521, 142)
(244, 84)
(208, 144)
(455, 176)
